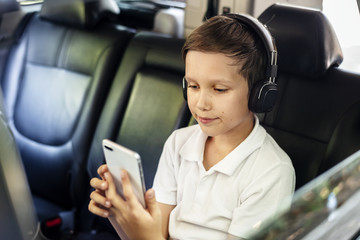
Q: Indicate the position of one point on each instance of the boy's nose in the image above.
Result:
(204, 100)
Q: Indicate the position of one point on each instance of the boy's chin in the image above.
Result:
(209, 131)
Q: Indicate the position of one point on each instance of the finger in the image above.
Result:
(151, 203)
(126, 183)
(111, 184)
(111, 194)
(95, 209)
(101, 170)
(99, 199)
(99, 184)
(127, 188)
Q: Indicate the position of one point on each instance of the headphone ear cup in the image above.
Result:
(184, 89)
(263, 97)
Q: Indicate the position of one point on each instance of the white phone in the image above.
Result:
(118, 157)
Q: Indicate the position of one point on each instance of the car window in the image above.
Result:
(29, 2)
(344, 17)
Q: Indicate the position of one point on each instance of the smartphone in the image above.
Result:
(118, 157)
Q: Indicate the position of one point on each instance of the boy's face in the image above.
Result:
(217, 94)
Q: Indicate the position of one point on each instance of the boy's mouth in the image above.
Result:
(205, 120)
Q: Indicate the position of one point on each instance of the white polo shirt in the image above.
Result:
(234, 196)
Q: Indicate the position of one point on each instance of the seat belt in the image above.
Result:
(9, 23)
(62, 225)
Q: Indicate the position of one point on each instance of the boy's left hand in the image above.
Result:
(137, 222)
(98, 204)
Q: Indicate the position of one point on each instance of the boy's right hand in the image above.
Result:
(99, 204)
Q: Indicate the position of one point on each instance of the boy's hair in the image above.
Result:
(227, 35)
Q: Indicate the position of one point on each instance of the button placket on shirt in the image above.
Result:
(202, 190)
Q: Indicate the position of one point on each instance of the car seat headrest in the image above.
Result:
(306, 42)
(8, 6)
(77, 13)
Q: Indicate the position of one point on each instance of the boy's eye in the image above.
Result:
(220, 89)
(193, 86)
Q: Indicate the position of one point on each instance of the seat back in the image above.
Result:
(316, 118)
(57, 77)
(145, 103)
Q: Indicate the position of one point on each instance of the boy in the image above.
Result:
(219, 179)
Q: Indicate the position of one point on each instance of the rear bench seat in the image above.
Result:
(56, 80)
(145, 103)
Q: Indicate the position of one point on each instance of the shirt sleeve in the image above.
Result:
(165, 183)
(264, 196)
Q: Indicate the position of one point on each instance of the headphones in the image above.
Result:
(263, 93)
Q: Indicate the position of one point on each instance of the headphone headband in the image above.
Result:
(263, 33)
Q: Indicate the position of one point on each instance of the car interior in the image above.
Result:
(80, 71)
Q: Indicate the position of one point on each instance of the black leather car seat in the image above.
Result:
(316, 118)
(145, 103)
(56, 80)
(11, 16)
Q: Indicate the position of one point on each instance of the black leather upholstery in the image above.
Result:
(306, 41)
(10, 16)
(145, 103)
(8, 6)
(316, 119)
(54, 88)
(77, 13)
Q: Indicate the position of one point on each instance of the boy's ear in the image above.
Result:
(263, 96)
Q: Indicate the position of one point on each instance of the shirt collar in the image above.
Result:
(193, 149)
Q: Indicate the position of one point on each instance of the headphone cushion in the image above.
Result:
(263, 97)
